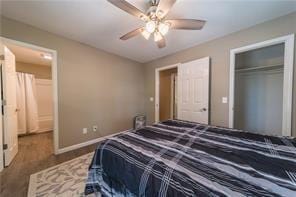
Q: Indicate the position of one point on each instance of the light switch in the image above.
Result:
(224, 99)
(151, 99)
(84, 130)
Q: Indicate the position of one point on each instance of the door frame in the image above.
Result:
(157, 71)
(54, 73)
(173, 94)
(288, 40)
(1, 124)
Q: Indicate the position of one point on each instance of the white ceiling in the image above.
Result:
(100, 24)
(27, 55)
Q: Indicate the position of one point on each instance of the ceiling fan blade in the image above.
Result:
(132, 34)
(129, 8)
(161, 43)
(164, 7)
(190, 24)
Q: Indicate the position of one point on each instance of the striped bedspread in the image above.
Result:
(178, 158)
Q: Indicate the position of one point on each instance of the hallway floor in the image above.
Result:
(35, 154)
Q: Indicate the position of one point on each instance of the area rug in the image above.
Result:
(65, 179)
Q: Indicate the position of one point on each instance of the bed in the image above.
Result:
(179, 158)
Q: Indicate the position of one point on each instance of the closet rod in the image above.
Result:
(259, 68)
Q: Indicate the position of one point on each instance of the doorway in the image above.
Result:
(261, 87)
(168, 94)
(33, 99)
(182, 91)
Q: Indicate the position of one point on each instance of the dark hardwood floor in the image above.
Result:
(35, 154)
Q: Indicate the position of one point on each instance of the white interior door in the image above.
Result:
(10, 108)
(193, 91)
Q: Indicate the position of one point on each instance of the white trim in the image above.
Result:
(54, 70)
(288, 78)
(48, 121)
(87, 143)
(1, 128)
(288, 85)
(44, 81)
(157, 70)
(172, 95)
(44, 130)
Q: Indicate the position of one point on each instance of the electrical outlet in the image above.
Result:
(95, 128)
(84, 130)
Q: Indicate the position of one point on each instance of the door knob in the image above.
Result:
(203, 109)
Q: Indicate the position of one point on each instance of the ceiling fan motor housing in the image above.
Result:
(151, 12)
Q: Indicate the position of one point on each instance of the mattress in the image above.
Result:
(180, 158)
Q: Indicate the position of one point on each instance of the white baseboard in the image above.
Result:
(87, 143)
(43, 130)
(45, 123)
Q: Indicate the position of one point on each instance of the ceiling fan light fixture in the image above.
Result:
(156, 22)
(150, 26)
(157, 36)
(159, 14)
(146, 34)
(163, 28)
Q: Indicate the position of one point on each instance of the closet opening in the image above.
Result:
(28, 88)
(261, 87)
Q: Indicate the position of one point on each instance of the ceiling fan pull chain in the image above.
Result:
(154, 2)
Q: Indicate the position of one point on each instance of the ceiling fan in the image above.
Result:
(155, 20)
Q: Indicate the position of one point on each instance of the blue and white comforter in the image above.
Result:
(177, 158)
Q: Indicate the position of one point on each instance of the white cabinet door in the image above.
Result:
(193, 90)
(10, 107)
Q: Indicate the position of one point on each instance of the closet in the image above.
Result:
(258, 90)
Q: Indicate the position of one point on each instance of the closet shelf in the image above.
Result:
(269, 67)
